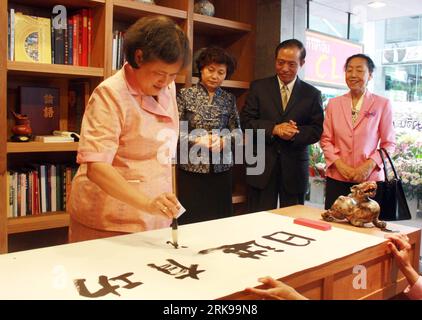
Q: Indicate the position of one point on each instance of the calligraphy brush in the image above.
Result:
(174, 231)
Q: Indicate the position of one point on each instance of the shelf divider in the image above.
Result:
(38, 222)
(52, 70)
(21, 147)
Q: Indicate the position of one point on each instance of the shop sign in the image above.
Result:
(325, 58)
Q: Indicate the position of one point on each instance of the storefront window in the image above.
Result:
(356, 32)
(404, 82)
(401, 82)
(394, 29)
(327, 20)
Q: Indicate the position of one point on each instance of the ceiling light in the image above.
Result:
(376, 4)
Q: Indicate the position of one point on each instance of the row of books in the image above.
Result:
(35, 39)
(39, 189)
(118, 56)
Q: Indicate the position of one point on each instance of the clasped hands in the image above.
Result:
(286, 130)
(212, 141)
(359, 174)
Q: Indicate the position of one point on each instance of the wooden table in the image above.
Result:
(334, 280)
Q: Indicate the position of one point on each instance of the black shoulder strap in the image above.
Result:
(382, 151)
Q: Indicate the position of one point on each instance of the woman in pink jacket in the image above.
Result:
(129, 131)
(355, 125)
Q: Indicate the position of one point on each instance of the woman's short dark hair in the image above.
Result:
(369, 62)
(217, 55)
(292, 43)
(159, 38)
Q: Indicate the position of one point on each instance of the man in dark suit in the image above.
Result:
(290, 112)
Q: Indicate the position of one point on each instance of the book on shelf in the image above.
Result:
(84, 44)
(53, 139)
(53, 43)
(66, 44)
(32, 41)
(19, 195)
(117, 47)
(41, 105)
(9, 194)
(89, 50)
(75, 48)
(35, 193)
(15, 194)
(78, 96)
(58, 43)
(11, 36)
(69, 43)
(43, 188)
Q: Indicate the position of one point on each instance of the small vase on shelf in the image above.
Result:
(204, 7)
(22, 129)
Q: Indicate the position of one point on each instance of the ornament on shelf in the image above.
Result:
(22, 129)
(204, 7)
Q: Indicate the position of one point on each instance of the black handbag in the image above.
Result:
(393, 200)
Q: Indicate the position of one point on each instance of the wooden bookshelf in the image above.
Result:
(232, 27)
(38, 222)
(123, 9)
(24, 147)
(217, 26)
(52, 70)
(17, 73)
(66, 3)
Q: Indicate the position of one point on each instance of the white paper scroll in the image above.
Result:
(144, 266)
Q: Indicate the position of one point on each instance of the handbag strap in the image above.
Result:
(381, 151)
